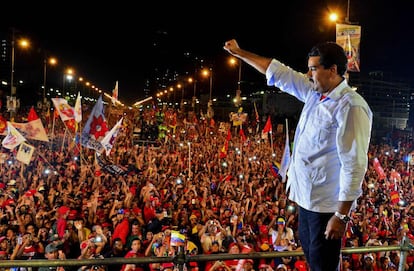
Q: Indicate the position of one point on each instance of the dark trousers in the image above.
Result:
(321, 254)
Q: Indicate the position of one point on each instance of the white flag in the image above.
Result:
(32, 130)
(78, 109)
(115, 93)
(95, 128)
(109, 139)
(65, 111)
(13, 138)
(284, 164)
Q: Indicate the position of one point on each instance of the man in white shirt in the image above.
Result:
(329, 158)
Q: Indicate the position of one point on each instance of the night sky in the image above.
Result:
(127, 42)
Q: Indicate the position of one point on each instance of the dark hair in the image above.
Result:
(330, 54)
(116, 239)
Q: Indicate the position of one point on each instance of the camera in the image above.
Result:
(98, 239)
(179, 181)
(291, 208)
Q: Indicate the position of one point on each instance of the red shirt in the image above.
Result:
(121, 230)
(149, 213)
(133, 254)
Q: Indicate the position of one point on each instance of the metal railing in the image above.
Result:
(181, 258)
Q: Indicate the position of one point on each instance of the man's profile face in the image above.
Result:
(319, 75)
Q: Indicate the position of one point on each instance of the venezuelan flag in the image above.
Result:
(274, 168)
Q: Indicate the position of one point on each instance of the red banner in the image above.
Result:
(378, 168)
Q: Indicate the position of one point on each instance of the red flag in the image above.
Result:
(395, 197)
(32, 115)
(395, 176)
(228, 138)
(378, 168)
(3, 124)
(242, 135)
(212, 123)
(223, 151)
(71, 125)
(268, 126)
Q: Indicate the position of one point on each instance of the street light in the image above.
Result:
(194, 99)
(348, 35)
(67, 75)
(210, 111)
(23, 43)
(51, 61)
(334, 17)
(234, 61)
(209, 73)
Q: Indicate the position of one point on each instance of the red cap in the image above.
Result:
(263, 229)
(8, 202)
(136, 210)
(72, 214)
(30, 193)
(63, 210)
(106, 224)
(232, 245)
(84, 244)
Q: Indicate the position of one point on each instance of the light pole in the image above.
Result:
(51, 61)
(181, 86)
(211, 86)
(24, 44)
(347, 13)
(234, 61)
(209, 73)
(12, 88)
(194, 99)
(210, 111)
(68, 74)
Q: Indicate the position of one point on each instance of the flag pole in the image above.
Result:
(52, 135)
(257, 118)
(109, 112)
(64, 138)
(189, 160)
(271, 140)
(241, 143)
(80, 144)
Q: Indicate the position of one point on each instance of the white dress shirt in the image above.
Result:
(329, 156)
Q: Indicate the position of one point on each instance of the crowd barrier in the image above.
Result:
(181, 259)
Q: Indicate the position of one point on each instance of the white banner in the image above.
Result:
(349, 37)
(25, 153)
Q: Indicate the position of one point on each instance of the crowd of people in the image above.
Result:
(65, 205)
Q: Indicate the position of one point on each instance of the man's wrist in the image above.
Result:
(344, 218)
